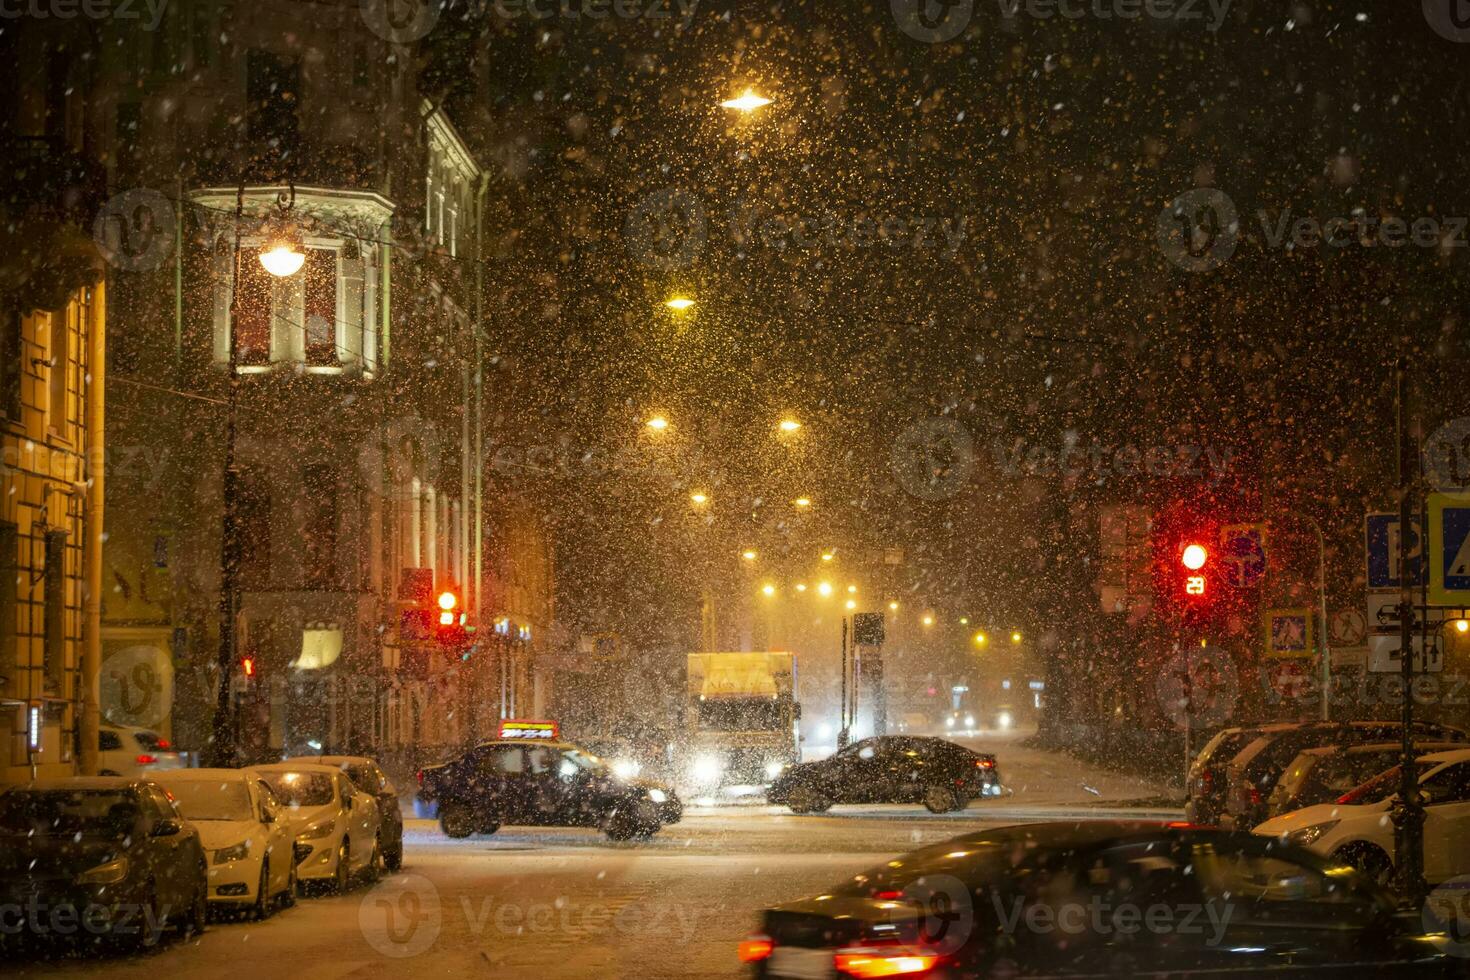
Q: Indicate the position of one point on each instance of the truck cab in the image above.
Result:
(742, 722)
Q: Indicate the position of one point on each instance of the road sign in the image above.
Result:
(1288, 633)
(1355, 657)
(1243, 553)
(1382, 538)
(1384, 656)
(1347, 628)
(1383, 614)
(1449, 548)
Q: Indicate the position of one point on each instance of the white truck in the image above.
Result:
(741, 722)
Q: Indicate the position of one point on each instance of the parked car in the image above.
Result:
(369, 777)
(1322, 774)
(1356, 828)
(1050, 899)
(890, 769)
(1253, 772)
(336, 823)
(130, 751)
(513, 781)
(1205, 783)
(252, 860)
(114, 851)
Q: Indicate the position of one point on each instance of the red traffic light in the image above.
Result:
(247, 666)
(1194, 557)
(447, 602)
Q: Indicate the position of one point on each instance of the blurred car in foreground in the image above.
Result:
(890, 769)
(1322, 774)
(369, 777)
(100, 857)
(131, 751)
(1358, 828)
(252, 861)
(334, 821)
(547, 784)
(1099, 898)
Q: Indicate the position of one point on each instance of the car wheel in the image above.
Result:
(1369, 859)
(263, 904)
(374, 869)
(941, 799)
(456, 820)
(149, 933)
(293, 885)
(199, 911)
(630, 820)
(343, 878)
(393, 860)
(805, 799)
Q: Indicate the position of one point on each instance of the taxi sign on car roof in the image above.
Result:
(545, 730)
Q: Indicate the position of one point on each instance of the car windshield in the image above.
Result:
(298, 789)
(201, 799)
(68, 813)
(739, 714)
(1375, 790)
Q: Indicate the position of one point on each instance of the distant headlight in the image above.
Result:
(658, 796)
(236, 852)
(708, 769)
(105, 874)
(949, 722)
(626, 768)
(318, 831)
(1310, 835)
(969, 721)
(1003, 720)
(774, 769)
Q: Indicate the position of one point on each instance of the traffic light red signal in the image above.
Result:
(247, 666)
(1194, 557)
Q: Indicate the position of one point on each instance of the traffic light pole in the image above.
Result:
(1408, 812)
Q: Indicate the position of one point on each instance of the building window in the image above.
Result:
(253, 313)
(320, 307)
(54, 623)
(9, 599)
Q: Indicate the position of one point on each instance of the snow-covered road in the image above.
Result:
(542, 903)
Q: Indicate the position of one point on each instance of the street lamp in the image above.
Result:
(893, 607)
(824, 589)
(851, 603)
(827, 556)
(768, 589)
(788, 425)
(802, 502)
(928, 620)
(1462, 626)
(658, 423)
(747, 101)
(698, 499)
(748, 555)
(800, 586)
(852, 588)
(980, 639)
(1015, 637)
(283, 256)
(679, 303)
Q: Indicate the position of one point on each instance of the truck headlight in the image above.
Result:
(318, 831)
(626, 768)
(970, 721)
(105, 874)
(774, 769)
(708, 769)
(1307, 836)
(235, 852)
(658, 796)
(1003, 720)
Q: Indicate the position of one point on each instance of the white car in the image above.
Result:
(252, 860)
(128, 751)
(336, 821)
(1358, 829)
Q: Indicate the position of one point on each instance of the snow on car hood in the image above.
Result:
(215, 834)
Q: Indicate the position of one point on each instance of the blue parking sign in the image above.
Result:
(1449, 545)
(1383, 552)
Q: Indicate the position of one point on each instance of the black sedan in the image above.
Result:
(1099, 898)
(549, 784)
(889, 769)
(98, 858)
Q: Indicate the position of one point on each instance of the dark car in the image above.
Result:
(1206, 780)
(101, 857)
(1105, 898)
(370, 778)
(1324, 773)
(548, 784)
(1252, 774)
(889, 769)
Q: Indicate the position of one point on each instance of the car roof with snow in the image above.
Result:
(1446, 755)
(82, 783)
(200, 775)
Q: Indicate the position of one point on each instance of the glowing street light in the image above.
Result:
(827, 556)
(800, 586)
(283, 255)
(980, 639)
(658, 423)
(768, 589)
(788, 425)
(1462, 626)
(928, 620)
(964, 620)
(802, 502)
(1015, 637)
(747, 101)
(851, 603)
(893, 607)
(698, 499)
(748, 555)
(824, 589)
(679, 303)
(852, 588)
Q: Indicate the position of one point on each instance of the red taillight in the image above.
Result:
(888, 896)
(420, 775)
(147, 760)
(753, 949)
(984, 763)
(165, 744)
(897, 961)
(1207, 780)
(1255, 796)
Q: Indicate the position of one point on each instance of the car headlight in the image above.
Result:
(1003, 720)
(318, 831)
(658, 796)
(969, 721)
(708, 769)
(105, 874)
(774, 769)
(626, 768)
(1310, 835)
(235, 852)
(949, 722)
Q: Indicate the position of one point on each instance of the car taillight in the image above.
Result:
(165, 744)
(1206, 781)
(147, 760)
(896, 961)
(984, 763)
(1254, 796)
(753, 949)
(420, 775)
